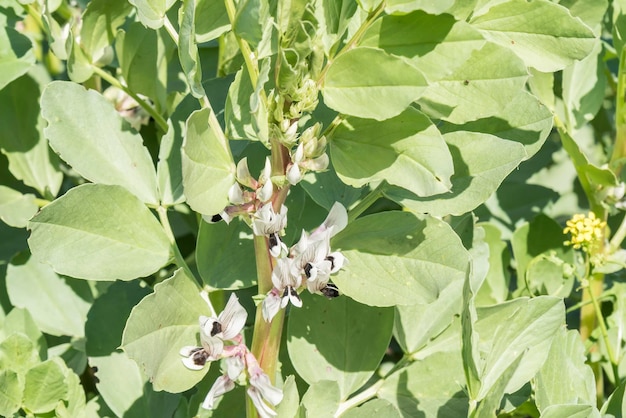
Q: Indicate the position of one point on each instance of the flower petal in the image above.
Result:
(262, 408)
(233, 318)
(222, 385)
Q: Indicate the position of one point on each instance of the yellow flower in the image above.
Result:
(586, 232)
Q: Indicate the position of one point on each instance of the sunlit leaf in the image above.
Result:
(99, 232)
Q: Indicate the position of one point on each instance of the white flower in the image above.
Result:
(222, 385)
(286, 282)
(267, 222)
(213, 333)
(261, 390)
(271, 305)
(228, 324)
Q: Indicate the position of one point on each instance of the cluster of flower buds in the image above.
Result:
(309, 263)
(310, 154)
(221, 338)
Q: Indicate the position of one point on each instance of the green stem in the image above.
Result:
(358, 399)
(248, 56)
(604, 332)
(178, 257)
(366, 202)
(116, 83)
(619, 149)
(169, 28)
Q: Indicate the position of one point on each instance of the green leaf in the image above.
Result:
(385, 87)
(21, 321)
(107, 317)
(11, 390)
(428, 388)
(208, 167)
(99, 232)
(21, 139)
(188, 50)
(225, 255)
(584, 83)
(375, 408)
(251, 20)
(99, 23)
(316, 357)
(321, 399)
(570, 411)
(16, 55)
(406, 150)
(530, 127)
(334, 18)
(437, 45)
(44, 387)
(565, 378)
(540, 253)
(18, 353)
(127, 392)
(143, 56)
(111, 154)
(288, 407)
(16, 208)
(152, 12)
(211, 20)
(159, 326)
(399, 258)
(243, 120)
(508, 329)
(614, 406)
(52, 301)
(542, 33)
(495, 288)
(169, 168)
(325, 188)
(76, 402)
(404, 6)
(79, 65)
(415, 325)
(478, 88)
(475, 176)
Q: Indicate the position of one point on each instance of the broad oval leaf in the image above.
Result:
(16, 208)
(99, 232)
(406, 150)
(54, 303)
(475, 177)
(478, 88)
(399, 258)
(16, 55)
(22, 139)
(152, 12)
(208, 167)
(544, 34)
(44, 386)
(100, 21)
(385, 86)
(99, 144)
(437, 45)
(520, 326)
(12, 392)
(326, 339)
(565, 377)
(429, 387)
(159, 326)
(225, 255)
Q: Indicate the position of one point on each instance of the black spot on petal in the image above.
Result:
(216, 329)
(330, 291)
(332, 261)
(216, 218)
(307, 270)
(199, 357)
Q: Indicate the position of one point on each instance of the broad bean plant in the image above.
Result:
(312, 208)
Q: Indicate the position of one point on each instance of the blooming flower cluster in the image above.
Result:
(221, 338)
(309, 263)
(587, 232)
